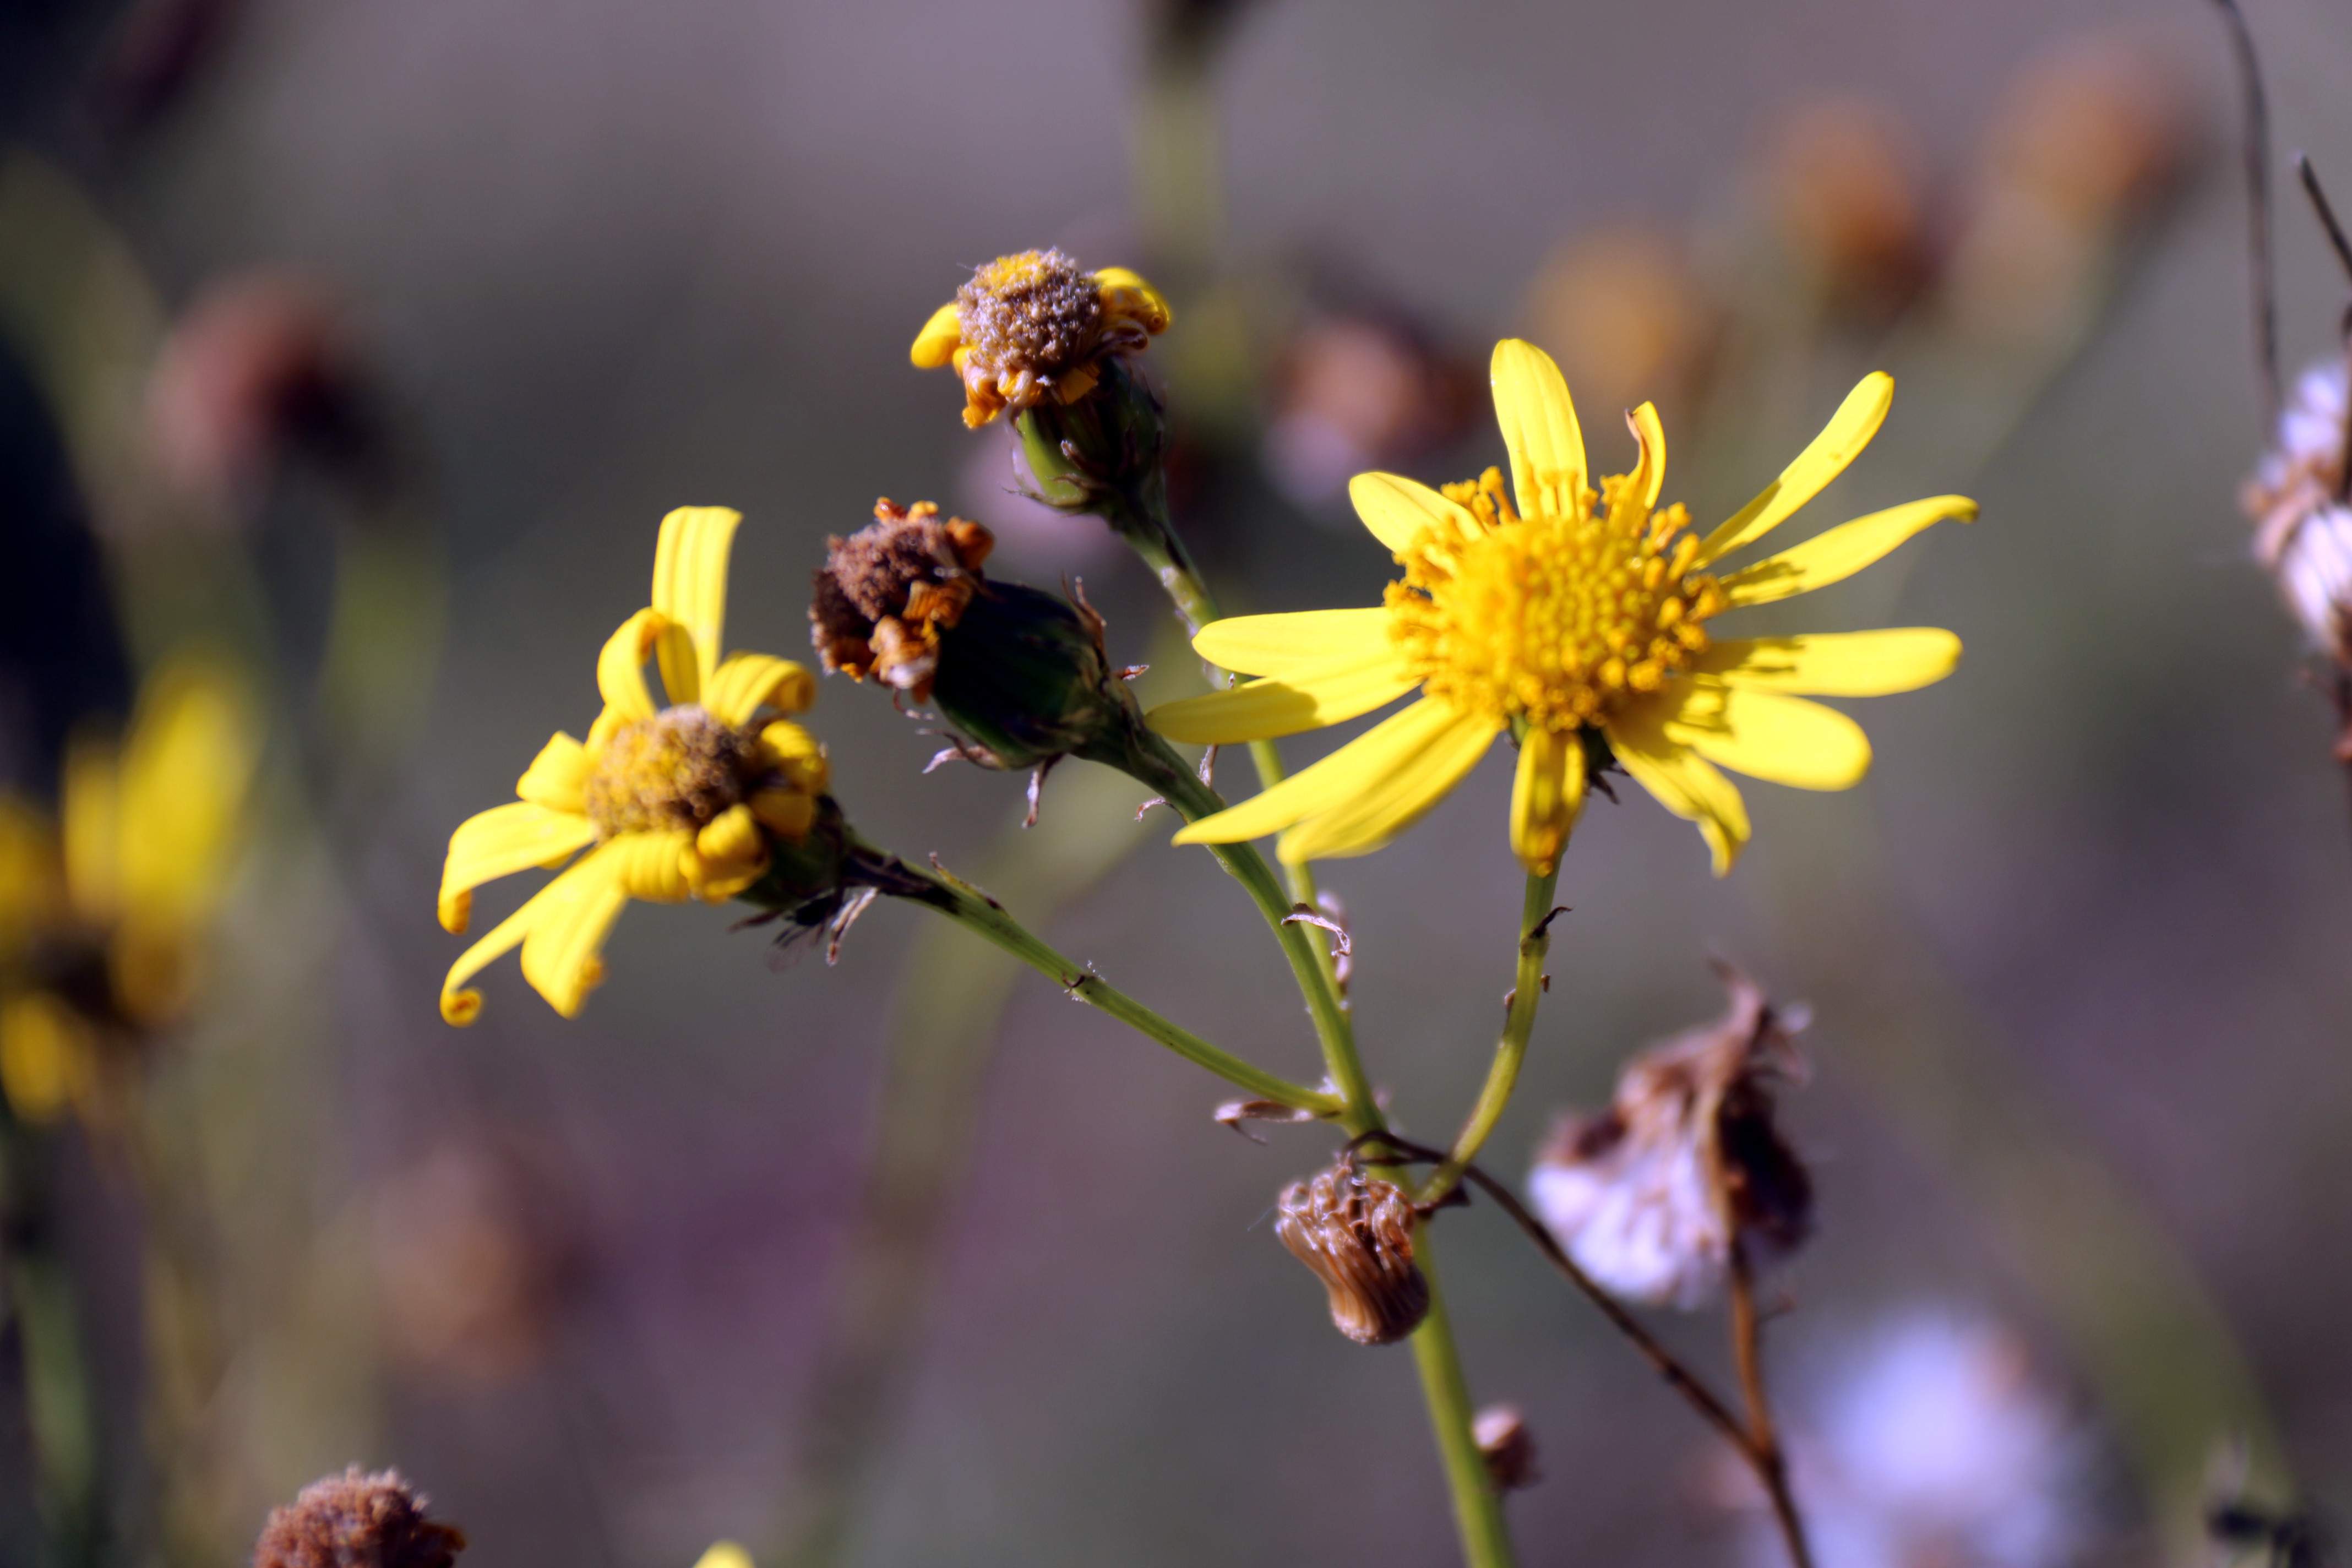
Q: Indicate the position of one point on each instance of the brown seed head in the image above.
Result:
(356, 1520)
(2303, 535)
(887, 591)
(1648, 1194)
(1356, 1233)
(1507, 1446)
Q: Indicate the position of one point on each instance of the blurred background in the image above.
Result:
(362, 348)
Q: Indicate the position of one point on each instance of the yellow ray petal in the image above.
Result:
(1275, 645)
(1398, 510)
(1356, 767)
(1840, 442)
(32, 891)
(936, 344)
(1683, 782)
(725, 1555)
(1124, 293)
(1540, 428)
(621, 666)
(1844, 549)
(1307, 698)
(499, 843)
(690, 588)
(557, 777)
(49, 1056)
(1546, 797)
(729, 856)
(185, 765)
(1835, 664)
(461, 1006)
(748, 682)
(562, 953)
(1393, 801)
(1769, 735)
(1649, 472)
(90, 818)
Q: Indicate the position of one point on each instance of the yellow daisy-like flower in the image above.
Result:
(1035, 327)
(127, 883)
(671, 802)
(1569, 618)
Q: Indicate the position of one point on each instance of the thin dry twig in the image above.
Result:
(2257, 157)
(1764, 1450)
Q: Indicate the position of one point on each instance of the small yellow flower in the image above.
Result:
(1035, 327)
(671, 802)
(1569, 619)
(131, 877)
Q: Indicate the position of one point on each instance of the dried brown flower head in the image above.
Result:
(2302, 531)
(356, 1520)
(1507, 1446)
(1035, 328)
(887, 591)
(1648, 1195)
(1354, 1232)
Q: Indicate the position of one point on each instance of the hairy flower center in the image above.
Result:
(1551, 620)
(1036, 311)
(680, 768)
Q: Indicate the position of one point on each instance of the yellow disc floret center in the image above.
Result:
(681, 768)
(1552, 621)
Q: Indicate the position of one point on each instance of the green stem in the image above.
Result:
(960, 901)
(1150, 760)
(1142, 521)
(1478, 1504)
(1518, 1024)
(1139, 515)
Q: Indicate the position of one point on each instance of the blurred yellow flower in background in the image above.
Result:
(1575, 621)
(1035, 326)
(102, 917)
(676, 801)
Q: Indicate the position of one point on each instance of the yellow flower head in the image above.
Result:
(1577, 620)
(1035, 327)
(670, 803)
(136, 869)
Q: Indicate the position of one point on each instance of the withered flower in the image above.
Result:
(887, 591)
(1507, 1446)
(2302, 531)
(1036, 328)
(1354, 1232)
(1648, 1195)
(357, 1521)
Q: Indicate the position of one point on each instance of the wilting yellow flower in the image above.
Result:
(128, 882)
(1571, 620)
(675, 801)
(1035, 326)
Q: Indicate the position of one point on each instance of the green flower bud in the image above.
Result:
(1024, 677)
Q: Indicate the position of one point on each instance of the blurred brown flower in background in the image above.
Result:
(1842, 188)
(477, 1255)
(260, 367)
(1362, 390)
(1624, 312)
(2087, 140)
